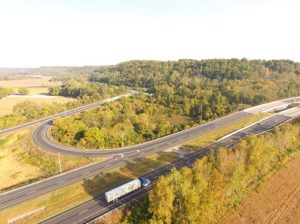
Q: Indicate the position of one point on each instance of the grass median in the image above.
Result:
(80, 192)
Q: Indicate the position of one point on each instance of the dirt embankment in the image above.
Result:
(278, 201)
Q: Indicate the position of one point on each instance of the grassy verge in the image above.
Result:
(209, 138)
(77, 193)
(22, 162)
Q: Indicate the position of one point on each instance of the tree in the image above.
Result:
(54, 91)
(23, 91)
(161, 200)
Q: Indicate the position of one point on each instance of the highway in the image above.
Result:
(97, 207)
(118, 159)
(41, 138)
(63, 114)
(33, 190)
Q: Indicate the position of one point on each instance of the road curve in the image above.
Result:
(96, 207)
(41, 138)
(33, 190)
(63, 114)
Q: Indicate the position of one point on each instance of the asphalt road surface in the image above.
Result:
(30, 191)
(97, 207)
(41, 138)
(120, 156)
(63, 114)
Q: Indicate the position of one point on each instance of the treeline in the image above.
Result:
(82, 90)
(29, 110)
(5, 92)
(189, 85)
(68, 71)
(86, 91)
(148, 73)
(216, 184)
(178, 89)
(124, 122)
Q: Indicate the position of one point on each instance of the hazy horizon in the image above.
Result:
(95, 33)
(3, 68)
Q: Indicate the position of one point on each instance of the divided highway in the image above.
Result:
(41, 138)
(98, 206)
(119, 156)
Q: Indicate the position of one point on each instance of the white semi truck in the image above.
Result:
(116, 193)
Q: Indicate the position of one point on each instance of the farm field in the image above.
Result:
(277, 201)
(42, 81)
(36, 94)
(7, 104)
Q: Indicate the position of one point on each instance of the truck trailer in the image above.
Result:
(124, 189)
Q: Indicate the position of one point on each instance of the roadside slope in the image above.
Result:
(278, 200)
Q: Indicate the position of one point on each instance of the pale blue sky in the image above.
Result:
(97, 32)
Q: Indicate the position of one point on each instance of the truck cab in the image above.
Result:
(145, 181)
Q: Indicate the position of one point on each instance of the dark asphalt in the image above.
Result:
(119, 157)
(97, 207)
(41, 138)
(33, 190)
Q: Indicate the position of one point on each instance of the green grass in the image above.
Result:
(80, 192)
(77, 193)
(2, 141)
(209, 138)
(23, 162)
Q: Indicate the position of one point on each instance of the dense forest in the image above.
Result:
(86, 91)
(216, 184)
(193, 91)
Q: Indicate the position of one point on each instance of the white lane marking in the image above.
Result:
(110, 205)
(61, 181)
(82, 212)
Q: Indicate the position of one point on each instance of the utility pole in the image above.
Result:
(201, 113)
(59, 163)
(122, 140)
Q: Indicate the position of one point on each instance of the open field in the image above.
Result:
(7, 104)
(38, 92)
(277, 201)
(42, 81)
(22, 162)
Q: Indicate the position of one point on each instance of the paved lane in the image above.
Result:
(97, 207)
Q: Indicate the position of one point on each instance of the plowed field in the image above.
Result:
(278, 201)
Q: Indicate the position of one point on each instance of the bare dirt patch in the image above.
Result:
(278, 200)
